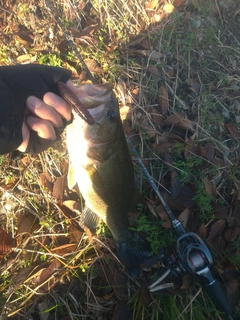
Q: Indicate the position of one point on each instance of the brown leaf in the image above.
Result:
(26, 222)
(202, 231)
(145, 294)
(145, 44)
(151, 5)
(180, 121)
(175, 185)
(152, 55)
(86, 31)
(64, 249)
(5, 243)
(162, 145)
(218, 244)
(232, 129)
(153, 70)
(219, 211)
(122, 89)
(75, 233)
(148, 129)
(190, 149)
(93, 66)
(72, 205)
(58, 188)
(232, 292)
(157, 117)
(120, 286)
(166, 222)
(216, 229)
(122, 312)
(125, 113)
(194, 84)
(46, 273)
(183, 217)
(187, 280)
(232, 233)
(209, 151)
(169, 8)
(179, 4)
(182, 201)
(174, 118)
(210, 187)
(46, 181)
(162, 99)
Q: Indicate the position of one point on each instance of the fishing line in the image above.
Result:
(175, 223)
(70, 40)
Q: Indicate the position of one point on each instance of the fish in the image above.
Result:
(102, 168)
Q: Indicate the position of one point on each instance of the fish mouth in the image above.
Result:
(92, 96)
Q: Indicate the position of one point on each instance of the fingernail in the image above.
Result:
(51, 99)
(33, 103)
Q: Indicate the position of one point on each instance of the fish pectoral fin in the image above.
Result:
(71, 178)
(94, 176)
(89, 219)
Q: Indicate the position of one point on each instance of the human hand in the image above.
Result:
(17, 125)
(47, 117)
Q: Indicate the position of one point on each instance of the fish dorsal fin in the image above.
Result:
(71, 178)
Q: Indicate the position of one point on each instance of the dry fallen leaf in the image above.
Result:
(26, 222)
(93, 66)
(183, 217)
(194, 85)
(153, 70)
(233, 130)
(216, 229)
(152, 55)
(5, 243)
(190, 149)
(147, 128)
(169, 8)
(151, 5)
(122, 312)
(58, 188)
(157, 117)
(210, 187)
(162, 99)
(46, 181)
(46, 274)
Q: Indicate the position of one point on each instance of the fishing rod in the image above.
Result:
(190, 253)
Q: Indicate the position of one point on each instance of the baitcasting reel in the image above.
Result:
(190, 254)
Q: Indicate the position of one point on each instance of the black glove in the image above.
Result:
(16, 84)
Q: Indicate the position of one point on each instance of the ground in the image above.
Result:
(175, 68)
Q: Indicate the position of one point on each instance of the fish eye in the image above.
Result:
(111, 115)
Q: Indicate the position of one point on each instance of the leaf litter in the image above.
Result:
(179, 103)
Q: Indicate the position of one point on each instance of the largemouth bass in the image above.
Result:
(101, 166)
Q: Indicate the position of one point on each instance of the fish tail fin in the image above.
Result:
(89, 219)
(133, 253)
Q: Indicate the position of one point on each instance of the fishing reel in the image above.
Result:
(190, 254)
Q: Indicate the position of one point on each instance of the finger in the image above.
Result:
(59, 104)
(26, 135)
(44, 111)
(43, 128)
